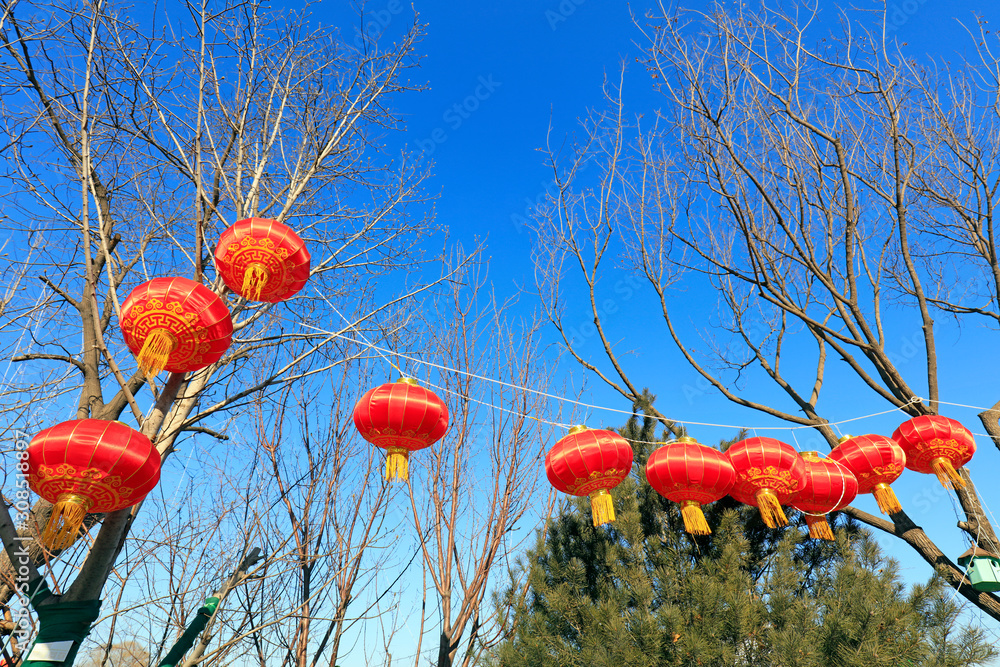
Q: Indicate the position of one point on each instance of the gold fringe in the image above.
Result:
(65, 522)
(694, 518)
(602, 506)
(397, 464)
(770, 509)
(818, 528)
(156, 351)
(886, 499)
(946, 474)
(254, 281)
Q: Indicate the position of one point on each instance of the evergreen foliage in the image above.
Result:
(642, 593)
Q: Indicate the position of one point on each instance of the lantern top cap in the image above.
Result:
(811, 456)
(577, 429)
(409, 381)
(844, 438)
(686, 438)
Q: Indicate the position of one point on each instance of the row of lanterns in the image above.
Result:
(92, 465)
(175, 324)
(766, 473)
(763, 472)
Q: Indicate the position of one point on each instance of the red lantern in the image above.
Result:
(877, 462)
(175, 324)
(768, 474)
(692, 475)
(589, 462)
(262, 260)
(829, 486)
(936, 444)
(89, 465)
(401, 417)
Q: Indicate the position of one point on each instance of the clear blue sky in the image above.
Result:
(500, 73)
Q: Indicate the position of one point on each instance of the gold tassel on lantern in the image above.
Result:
(602, 506)
(255, 280)
(156, 351)
(64, 524)
(694, 518)
(818, 527)
(397, 463)
(946, 474)
(886, 499)
(770, 509)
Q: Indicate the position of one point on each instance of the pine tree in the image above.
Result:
(642, 593)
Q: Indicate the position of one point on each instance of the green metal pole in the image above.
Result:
(186, 641)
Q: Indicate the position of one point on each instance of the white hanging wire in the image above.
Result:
(495, 407)
(382, 352)
(682, 422)
(367, 343)
(352, 325)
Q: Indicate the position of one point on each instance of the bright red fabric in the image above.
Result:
(828, 486)
(765, 463)
(874, 460)
(270, 243)
(682, 471)
(398, 414)
(106, 462)
(932, 437)
(192, 313)
(587, 461)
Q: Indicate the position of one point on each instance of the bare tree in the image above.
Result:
(819, 184)
(477, 488)
(127, 653)
(129, 146)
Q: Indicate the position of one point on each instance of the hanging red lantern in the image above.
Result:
(877, 462)
(262, 260)
(175, 324)
(768, 475)
(690, 474)
(89, 466)
(829, 486)
(401, 417)
(936, 444)
(590, 462)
